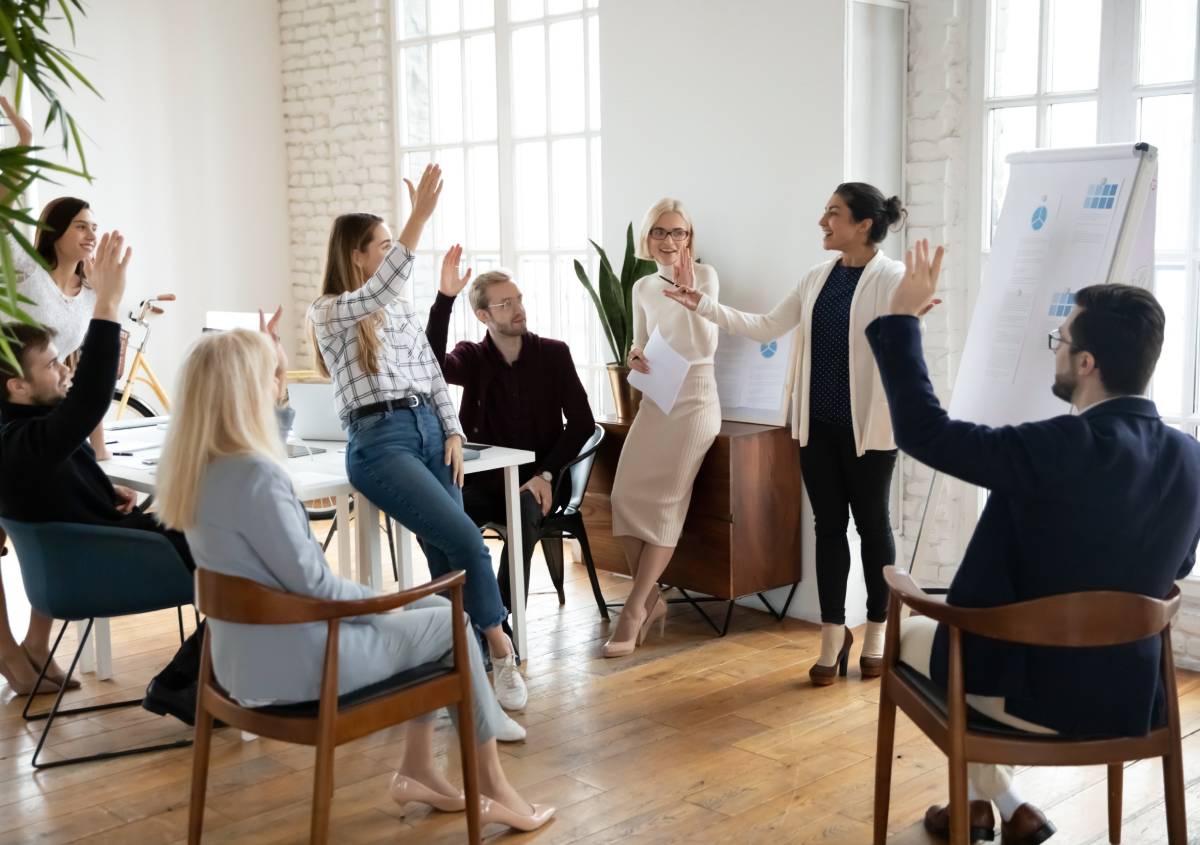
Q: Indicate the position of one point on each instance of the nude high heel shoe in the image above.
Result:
(493, 812)
(621, 648)
(404, 790)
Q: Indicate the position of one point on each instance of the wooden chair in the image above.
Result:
(332, 720)
(1073, 620)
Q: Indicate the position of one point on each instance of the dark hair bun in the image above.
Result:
(894, 211)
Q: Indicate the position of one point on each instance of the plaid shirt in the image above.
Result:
(406, 363)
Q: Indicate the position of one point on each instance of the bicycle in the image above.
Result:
(140, 369)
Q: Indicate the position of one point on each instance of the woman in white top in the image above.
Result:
(839, 411)
(663, 452)
(404, 449)
(63, 301)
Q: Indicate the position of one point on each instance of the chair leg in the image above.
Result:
(552, 549)
(387, 521)
(200, 758)
(470, 767)
(322, 794)
(1174, 793)
(329, 536)
(960, 811)
(56, 710)
(1116, 779)
(884, 749)
(586, 551)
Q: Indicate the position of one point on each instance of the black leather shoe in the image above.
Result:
(180, 703)
(982, 821)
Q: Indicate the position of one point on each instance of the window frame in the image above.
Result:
(1117, 96)
(589, 352)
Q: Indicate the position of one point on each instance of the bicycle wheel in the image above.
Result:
(135, 407)
(326, 508)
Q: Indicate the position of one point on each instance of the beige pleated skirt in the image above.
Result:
(660, 459)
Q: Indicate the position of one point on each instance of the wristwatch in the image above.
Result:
(548, 476)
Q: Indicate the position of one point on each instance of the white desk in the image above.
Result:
(324, 476)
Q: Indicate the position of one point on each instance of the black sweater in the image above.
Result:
(48, 471)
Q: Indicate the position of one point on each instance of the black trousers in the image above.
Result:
(484, 502)
(840, 483)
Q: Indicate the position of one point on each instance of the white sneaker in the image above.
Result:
(510, 686)
(508, 730)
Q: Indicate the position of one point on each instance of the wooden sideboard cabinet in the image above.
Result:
(742, 534)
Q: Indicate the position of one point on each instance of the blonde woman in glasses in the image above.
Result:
(663, 452)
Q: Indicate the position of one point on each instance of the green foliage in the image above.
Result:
(614, 300)
(27, 54)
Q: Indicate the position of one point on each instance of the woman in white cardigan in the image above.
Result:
(839, 411)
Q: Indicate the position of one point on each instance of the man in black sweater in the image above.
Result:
(48, 471)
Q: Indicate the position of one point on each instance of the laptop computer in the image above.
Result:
(316, 418)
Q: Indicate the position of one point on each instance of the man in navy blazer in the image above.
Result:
(1107, 499)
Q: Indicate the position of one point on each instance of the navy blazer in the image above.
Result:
(1106, 500)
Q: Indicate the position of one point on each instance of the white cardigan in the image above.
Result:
(868, 405)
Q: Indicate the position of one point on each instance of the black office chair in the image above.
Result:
(566, 521)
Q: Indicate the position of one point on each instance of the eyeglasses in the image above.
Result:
(1055, 339)
(505, 304)
(658, 233)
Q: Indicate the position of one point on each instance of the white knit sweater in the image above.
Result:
(868, 404)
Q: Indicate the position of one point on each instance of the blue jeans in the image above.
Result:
(397, 460)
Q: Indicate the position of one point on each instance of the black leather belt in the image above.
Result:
(405, 403)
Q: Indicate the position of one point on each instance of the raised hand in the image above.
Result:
(271, 329)
(24, 130)
(451, 284)
(685, 270)
(107, 274)
(637, 361)
(689, 298)
(424, 196)
(915, 294)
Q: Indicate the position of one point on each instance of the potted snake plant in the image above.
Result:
(613, 297)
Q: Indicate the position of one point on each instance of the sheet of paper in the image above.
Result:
(667, 371)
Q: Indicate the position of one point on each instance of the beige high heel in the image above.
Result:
(405, 790)
(621, 648)
(493, 812)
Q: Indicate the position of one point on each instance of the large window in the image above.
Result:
(1079, 72)
(504, 95)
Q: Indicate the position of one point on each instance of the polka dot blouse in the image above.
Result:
(829, 387)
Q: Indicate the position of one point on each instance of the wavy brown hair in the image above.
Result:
(350, 232)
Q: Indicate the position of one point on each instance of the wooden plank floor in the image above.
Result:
(692, 739)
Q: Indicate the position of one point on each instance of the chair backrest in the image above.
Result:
(233, 599)
(579, 471)
(74, 571)
(1078, 620)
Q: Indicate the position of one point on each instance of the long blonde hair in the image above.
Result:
(225, 407)
(350, 232)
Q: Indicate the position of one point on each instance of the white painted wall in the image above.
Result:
(187, 150)
(738, 109)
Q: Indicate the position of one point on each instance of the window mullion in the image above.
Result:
(1117, 107)
(1192, 323)
(505, 150)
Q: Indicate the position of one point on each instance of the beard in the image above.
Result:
(1063, 388)
(513, 331)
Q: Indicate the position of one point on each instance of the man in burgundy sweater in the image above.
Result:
(517, 390)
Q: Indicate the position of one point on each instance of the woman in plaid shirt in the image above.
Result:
(405, 440)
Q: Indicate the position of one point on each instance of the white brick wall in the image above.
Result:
(937, 181)
(337, 107)
(938, 187)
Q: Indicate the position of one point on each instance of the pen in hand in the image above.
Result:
(665, 279)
